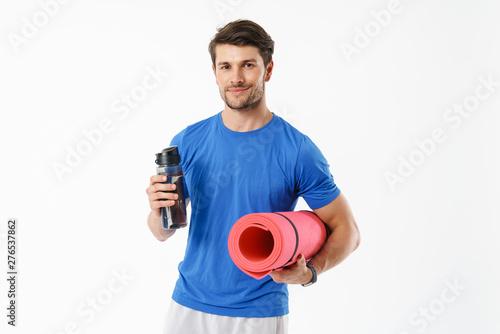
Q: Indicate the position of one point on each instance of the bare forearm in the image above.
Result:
(342, 242)
(155, 225)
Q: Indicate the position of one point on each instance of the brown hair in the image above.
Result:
(244, 32)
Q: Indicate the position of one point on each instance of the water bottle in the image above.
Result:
(173, 217)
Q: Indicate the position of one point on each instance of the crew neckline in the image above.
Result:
(245, 133)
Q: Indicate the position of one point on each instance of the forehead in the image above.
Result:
(233, 53)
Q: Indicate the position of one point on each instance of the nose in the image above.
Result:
(237, 77)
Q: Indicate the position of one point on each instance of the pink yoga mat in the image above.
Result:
(261, 242)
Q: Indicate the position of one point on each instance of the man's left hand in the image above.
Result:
(297, 273)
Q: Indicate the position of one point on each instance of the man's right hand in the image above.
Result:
(160, 195)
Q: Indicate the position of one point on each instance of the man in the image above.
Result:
(242, 160)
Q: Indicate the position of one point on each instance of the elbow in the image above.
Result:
(157, 230)
(163, 235)
(160, 238)
(358, 241)
(356, 236)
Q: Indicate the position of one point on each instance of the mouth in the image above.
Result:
(237, 91)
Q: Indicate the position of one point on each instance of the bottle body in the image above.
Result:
(174, 217)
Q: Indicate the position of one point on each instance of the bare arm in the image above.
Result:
(343, 240)
(155, 226)
(159, 198)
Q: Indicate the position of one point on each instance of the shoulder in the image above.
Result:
(289, 133)
(305, 149)
(205, 124)
(296, 139)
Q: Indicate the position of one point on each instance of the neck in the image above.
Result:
(244, 120)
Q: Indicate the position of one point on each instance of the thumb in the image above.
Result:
(301, 258)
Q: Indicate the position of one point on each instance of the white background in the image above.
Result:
(436, 227)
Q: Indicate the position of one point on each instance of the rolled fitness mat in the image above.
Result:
(261, 242)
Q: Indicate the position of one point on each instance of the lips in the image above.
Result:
(237, 91)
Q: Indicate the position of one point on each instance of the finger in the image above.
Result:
(276, 276)
(160, 187)
(157, 178)
(164, 204)
(298, 263)
(161, 204)
(164, 186)
(160, 195)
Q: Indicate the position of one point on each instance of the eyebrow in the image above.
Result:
(251, 60)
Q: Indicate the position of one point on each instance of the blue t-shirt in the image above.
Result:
(230, 174)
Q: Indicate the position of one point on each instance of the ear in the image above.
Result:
(215, 74)
(269, 71)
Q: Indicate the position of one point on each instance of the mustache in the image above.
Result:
(238, 86)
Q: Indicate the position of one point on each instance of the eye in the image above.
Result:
(224, 67)
(248, 65)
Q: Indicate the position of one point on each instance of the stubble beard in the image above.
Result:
(247, 104)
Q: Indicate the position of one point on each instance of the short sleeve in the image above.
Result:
(177, 141)
(313, 180)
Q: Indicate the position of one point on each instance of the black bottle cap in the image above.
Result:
(168, 156)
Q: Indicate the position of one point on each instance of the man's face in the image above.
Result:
(240, 75)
